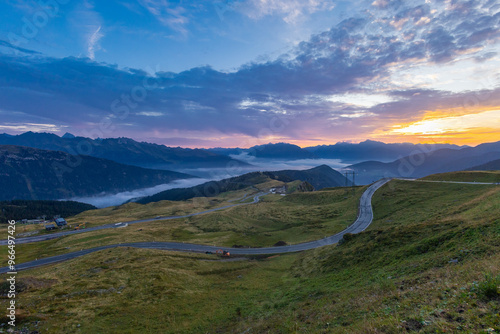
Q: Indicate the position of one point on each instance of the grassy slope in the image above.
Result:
(469, 176)
(135, 211)
(394, 278)
(293, 218)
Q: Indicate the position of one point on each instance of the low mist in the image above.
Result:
(209, 174)
(105, 200)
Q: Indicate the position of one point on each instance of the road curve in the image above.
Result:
(118, 225)
(364, 219)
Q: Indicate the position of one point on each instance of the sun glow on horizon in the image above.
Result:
(464, 129)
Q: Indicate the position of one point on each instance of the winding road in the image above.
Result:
(118, 225)
(364, 219)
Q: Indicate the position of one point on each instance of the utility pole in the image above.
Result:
(346, 183)
(353, 182)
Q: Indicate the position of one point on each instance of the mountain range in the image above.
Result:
(107, 165)
(124, 150)
(423, 163)
(346, 152)
(30, 173)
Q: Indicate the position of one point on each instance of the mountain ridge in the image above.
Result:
(123, 150)
(34, 174)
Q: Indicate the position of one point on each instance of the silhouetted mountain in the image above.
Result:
(29, 173)
(280, 151)
(492, 165)
(124, 150)
(68, 135)
(319, 177)
(347, 152)
(227, 151)
(372, 150)
(422, 163)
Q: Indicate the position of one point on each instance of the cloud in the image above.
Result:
(318, 90)
(150, 113)
(35, 127)
(291, 11)
(88, 23)
(169, 14)
(17, 48)
(93, 42)
(107, 200)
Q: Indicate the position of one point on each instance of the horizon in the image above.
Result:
(267, 143)
(246, 72)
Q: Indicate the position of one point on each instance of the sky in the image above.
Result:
(239, 73)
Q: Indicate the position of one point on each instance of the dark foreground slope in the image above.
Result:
(28, 173)
(319, 177)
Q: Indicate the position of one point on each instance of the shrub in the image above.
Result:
(488, 289)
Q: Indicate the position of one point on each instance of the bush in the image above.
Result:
(488, 289)
(345, 238)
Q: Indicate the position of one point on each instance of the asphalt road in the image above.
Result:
(365, 217)
(55, 235)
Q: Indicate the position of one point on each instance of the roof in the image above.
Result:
(60, 220)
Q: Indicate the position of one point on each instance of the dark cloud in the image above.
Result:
(17, 48)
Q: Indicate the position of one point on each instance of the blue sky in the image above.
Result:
(247, 72)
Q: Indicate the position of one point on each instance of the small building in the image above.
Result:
(61, 222)
(50, 227)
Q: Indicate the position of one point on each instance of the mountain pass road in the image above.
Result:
(364, 219)
(123, 224)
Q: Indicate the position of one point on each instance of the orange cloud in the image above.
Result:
(441, 127)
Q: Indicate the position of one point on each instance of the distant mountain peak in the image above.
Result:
(68, 135)
(322, 167)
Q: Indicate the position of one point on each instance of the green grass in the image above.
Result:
(470, 176)
(135, 211)
(429, 263)
(294, 218)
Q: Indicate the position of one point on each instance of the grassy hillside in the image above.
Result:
(293, 218)
(319, 177)
(135, 211)
(469, 176)
(208, 189)
(428, 264)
